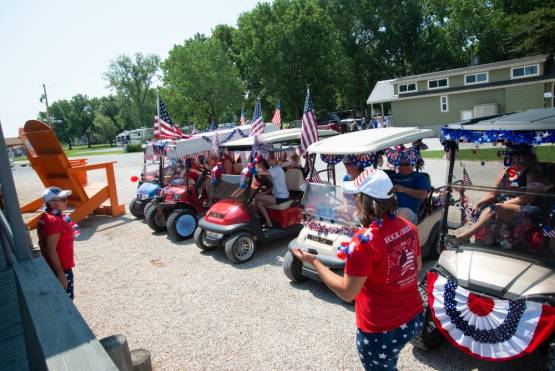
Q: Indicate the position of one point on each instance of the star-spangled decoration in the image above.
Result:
(539, 138)
(492, 136)
(404, 326)
(545, 134)
(365, 341)
(382, 356)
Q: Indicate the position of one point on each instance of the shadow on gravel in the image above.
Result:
(447, 357)
(269, 253)
(99, 223)
(320, 291)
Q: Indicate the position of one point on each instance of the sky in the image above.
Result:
(68, 45)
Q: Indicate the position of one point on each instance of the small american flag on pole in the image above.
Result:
(257, 122)
(242, 120)
(276, 119)
(466, 178)
(164, 127)
(309, 130)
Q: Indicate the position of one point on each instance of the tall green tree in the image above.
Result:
(133, 80)
(285, 45)
(63, 126)
(201, 80)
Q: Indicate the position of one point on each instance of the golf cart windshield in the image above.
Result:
(503, 190)
(329, 203)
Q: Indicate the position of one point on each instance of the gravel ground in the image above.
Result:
(195, 310)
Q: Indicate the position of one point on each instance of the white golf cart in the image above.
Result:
(330, 216)
(492, 292)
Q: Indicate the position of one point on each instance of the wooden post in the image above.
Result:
(141, 360)
(117, 348)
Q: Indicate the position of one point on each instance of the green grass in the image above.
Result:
(85, 147)
(545, 154)
(93, 153)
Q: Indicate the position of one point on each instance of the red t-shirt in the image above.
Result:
(50, 224)
(390, 296)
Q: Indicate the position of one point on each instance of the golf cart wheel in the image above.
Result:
(240, 248)
(200, 240)
(137, 208)
(154, 219)
(181, 224)
(429, 338)
(292, 268)
(550, 358)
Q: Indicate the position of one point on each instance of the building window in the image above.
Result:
(525, 71)
(406, 88)
(444, 103)
(476, 78)
(438, 84)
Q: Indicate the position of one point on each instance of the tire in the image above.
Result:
(137, 208)
(153, 219)
(429, 338)
(199, 240)
(550, 357)
(292, 268)
(181, 224)
(240, 248)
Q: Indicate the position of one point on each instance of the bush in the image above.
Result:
(133, 148)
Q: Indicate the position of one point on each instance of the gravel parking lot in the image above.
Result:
(195, 310)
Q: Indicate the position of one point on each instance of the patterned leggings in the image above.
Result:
(69, 290)
(380, 350)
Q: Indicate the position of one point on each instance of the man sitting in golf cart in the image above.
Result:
(411, 188)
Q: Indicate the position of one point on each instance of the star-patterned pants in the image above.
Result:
(380, 350)
(69, 276)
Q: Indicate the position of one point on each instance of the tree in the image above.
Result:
(286, 45)
(104, 129)
(112, 107)
(81, 116)
(201, 80)
(133, 81)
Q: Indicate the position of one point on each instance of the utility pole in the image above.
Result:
(45, 97)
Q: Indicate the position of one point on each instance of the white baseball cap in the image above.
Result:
(51, 193)
(373, 182)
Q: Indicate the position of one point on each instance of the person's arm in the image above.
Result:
(490, 196)
(419, 194)
(51, 244)
(346, 287)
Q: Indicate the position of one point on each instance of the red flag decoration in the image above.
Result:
(257, 122)
(164, 127)
(276, 119)
(242, 120)
(487, 328)
(309, 130)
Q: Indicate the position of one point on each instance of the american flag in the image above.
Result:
(164, 127)
(548, 231)
(309, 130)
(466, 178)
(257, 122)
(242, 120)
(276, 119)
(406, 262)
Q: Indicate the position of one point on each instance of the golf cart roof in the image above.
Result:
(244, 129)
(284, 136)
(534, 119)
(367, 141)
(181, 147)
(531, 127)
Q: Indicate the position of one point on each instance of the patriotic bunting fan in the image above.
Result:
(331, 159)
(486, 328)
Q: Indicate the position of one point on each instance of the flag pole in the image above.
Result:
(158, 102)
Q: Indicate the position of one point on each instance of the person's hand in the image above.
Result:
(303, 256)
(398, 188)
(63, 280)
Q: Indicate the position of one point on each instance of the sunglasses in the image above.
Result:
(59, 199)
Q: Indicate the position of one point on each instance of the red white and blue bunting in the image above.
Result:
(491, 136)
(487, 328)
(396, 155)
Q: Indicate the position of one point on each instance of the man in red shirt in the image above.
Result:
(56, 233)
(383, 260)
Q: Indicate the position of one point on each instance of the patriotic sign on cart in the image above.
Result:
(487, 328)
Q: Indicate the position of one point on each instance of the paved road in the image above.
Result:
(195, 310)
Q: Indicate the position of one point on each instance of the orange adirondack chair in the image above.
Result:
(51, 164)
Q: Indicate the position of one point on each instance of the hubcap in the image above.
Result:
(244, 247)
(159, 220)
(186, 225)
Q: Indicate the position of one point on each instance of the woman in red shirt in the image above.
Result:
(56, 232)
(381, 273)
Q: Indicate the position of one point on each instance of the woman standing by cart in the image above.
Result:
(381, 273)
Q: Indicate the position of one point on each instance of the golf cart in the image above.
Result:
(234, 224)
(151, 179)
(330, 215)
(492, 292)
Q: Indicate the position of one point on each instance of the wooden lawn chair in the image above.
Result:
(51, 164)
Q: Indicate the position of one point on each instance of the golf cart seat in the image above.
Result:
(282, 206)
(294, 179)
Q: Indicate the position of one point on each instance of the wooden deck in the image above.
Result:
(13, 352)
